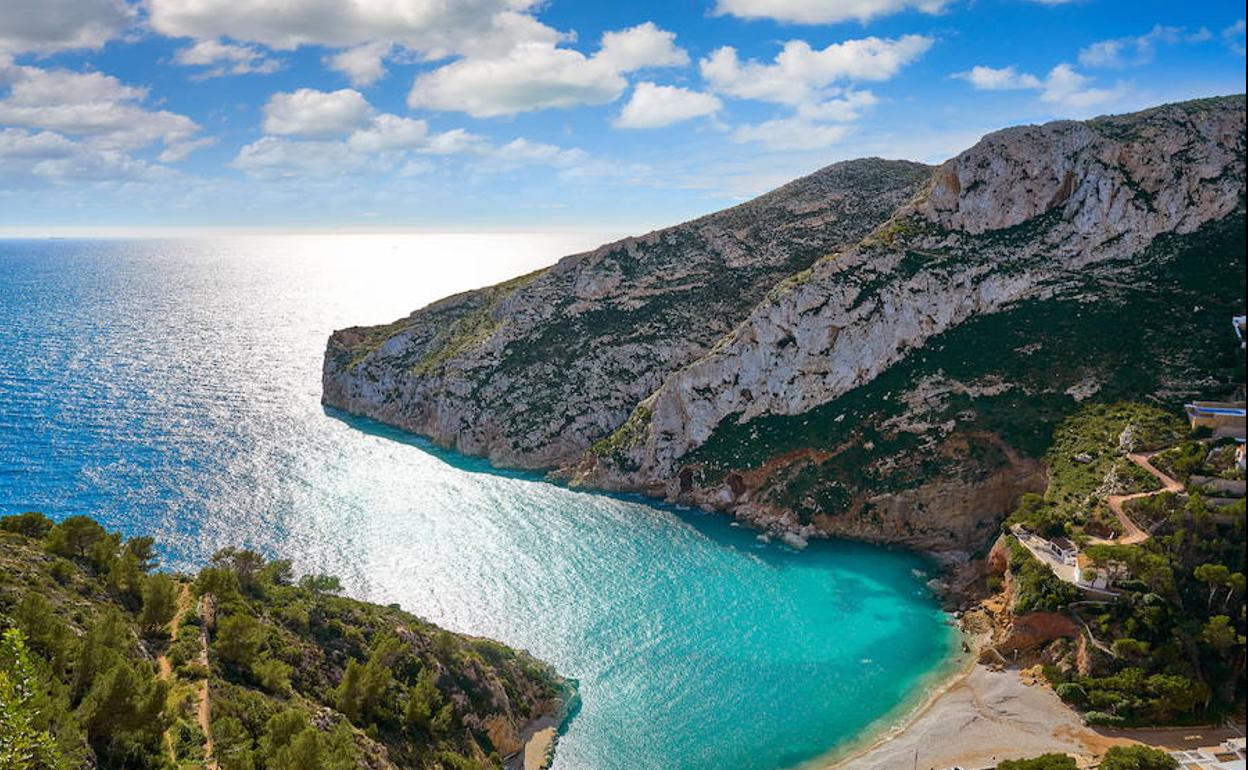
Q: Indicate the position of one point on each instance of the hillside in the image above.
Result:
(895, 379)
(532, 371)
(107, 663)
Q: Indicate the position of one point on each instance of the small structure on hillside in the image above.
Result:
(1099, 577)
(1229, 755)
(1224, 418)
(1065, 550)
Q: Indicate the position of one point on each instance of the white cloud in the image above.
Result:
(536, 76)
(363, 65)
(1067, 87)
(799, 73)
(48, 26)
(842, 109)
(530, 77)
(1063, 86)
(523, 152)
(823, 11)
(433, 28)
(92, 107)
(276, 157)
(655, 106)
(1233, 36)
(390, 132)
(1127, 51)
(644, 45)
(314, 134)
(792, 134)
(308, 112)
(31, 158)
(225, 59)
(998, 79)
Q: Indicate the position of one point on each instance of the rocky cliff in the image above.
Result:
(896, 388)
(530, 372)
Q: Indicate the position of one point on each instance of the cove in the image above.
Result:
(172, 388)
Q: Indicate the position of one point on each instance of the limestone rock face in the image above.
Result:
(530, 372)
(1017, 216)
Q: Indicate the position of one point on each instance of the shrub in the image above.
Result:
(1072, 692)
(62, 571)
(1137, 758)
(1042, 762)
(30, 524)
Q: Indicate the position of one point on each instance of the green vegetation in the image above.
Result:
(1036, 588)
(1172, 641)
(1088, 459)
(1021, 368)
(1137, 758)
(298, 678)
(473, 327)
(1042, 762)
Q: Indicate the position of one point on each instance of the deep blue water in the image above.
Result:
(172, 388)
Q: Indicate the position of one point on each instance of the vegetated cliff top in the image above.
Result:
(118, 665)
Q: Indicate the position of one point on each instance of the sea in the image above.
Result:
(171, 387)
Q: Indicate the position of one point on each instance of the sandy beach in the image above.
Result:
(982, 716)
(977, 719)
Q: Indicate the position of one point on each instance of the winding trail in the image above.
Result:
(163, 666)
(203, 712)
(1131, 533)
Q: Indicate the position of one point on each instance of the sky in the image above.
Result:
(156, 116)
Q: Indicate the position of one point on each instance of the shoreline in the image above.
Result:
(981, 715)
(900, 719)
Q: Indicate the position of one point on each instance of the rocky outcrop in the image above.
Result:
(529, 373)
(817, 365)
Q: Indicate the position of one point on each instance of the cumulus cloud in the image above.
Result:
(523, 152)
(998, 79)
(792, 134)
(1063, 86)
(48, 26)
(433, 28)
(317, 133)
(41, 157)
(815, 83)
(364, 64)
(308, 112)
(538, 76)
(225, 59)
(272, 157)
(1128, 51)
(655, 106)
(72, 127)
(1067, 87)
(823, 11)
(644, 45)
(798, 73)
(91, 107)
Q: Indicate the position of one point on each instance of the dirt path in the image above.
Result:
(1132, 534)
(184, 604)
(203, 713)
(163, 667)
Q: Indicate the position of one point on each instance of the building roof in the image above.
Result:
(1064, 543)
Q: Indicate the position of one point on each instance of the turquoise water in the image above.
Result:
(172, 388)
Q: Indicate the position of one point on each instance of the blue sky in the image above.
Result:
(393, 115)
